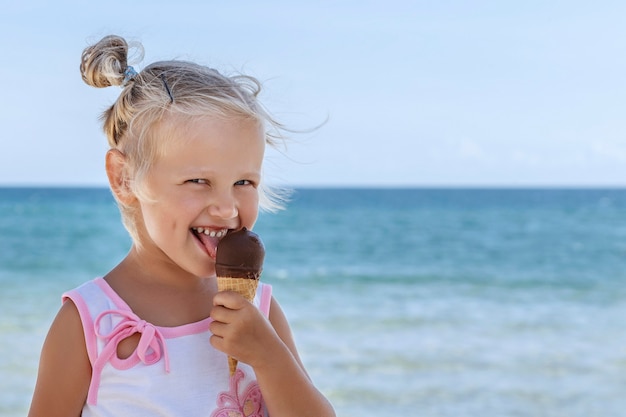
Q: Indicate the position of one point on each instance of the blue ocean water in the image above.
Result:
(429, 302)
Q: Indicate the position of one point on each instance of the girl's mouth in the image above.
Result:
(209, 238)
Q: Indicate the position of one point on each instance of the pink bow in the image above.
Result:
(149, 350)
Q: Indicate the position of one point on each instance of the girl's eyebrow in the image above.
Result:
(197, 172)
(205, 173)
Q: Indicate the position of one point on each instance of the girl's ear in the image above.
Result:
(116, 171)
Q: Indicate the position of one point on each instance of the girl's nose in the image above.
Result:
(223, 206)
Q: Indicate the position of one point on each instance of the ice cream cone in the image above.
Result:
(244, 286)
(238, 266)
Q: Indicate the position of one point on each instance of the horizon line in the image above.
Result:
(366, 186)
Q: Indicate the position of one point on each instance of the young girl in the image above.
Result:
(151, 337)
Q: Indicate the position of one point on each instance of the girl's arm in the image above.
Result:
(283, 380)
(64, 368)
(240, 330)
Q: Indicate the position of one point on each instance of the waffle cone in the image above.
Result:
(247, 288)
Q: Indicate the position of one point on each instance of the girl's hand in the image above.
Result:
(240, 330)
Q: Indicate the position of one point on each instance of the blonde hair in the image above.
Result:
(182, 88)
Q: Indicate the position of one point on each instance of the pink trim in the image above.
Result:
(110, 292)
(266, 299)
(167, 332)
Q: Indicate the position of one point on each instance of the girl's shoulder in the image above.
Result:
(65, 370)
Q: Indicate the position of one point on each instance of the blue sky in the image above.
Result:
(417, 93)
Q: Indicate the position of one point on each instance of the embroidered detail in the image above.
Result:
(235, 403)
(149, 350)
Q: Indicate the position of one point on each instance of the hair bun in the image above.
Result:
(103, 64)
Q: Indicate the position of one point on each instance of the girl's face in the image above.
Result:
(203, 185)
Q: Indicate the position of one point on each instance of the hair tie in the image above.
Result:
(129, 75)
(167, 88)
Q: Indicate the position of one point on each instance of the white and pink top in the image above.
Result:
(174, 371)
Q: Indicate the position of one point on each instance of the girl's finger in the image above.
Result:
(229, 299)
(221, 314)
(218, 328)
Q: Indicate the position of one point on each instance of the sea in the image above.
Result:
(431, 302)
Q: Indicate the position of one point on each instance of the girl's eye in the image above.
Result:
(243, 182)
(198, 181)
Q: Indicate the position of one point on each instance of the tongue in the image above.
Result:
(210, 243)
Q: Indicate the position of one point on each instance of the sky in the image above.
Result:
(408, 93)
